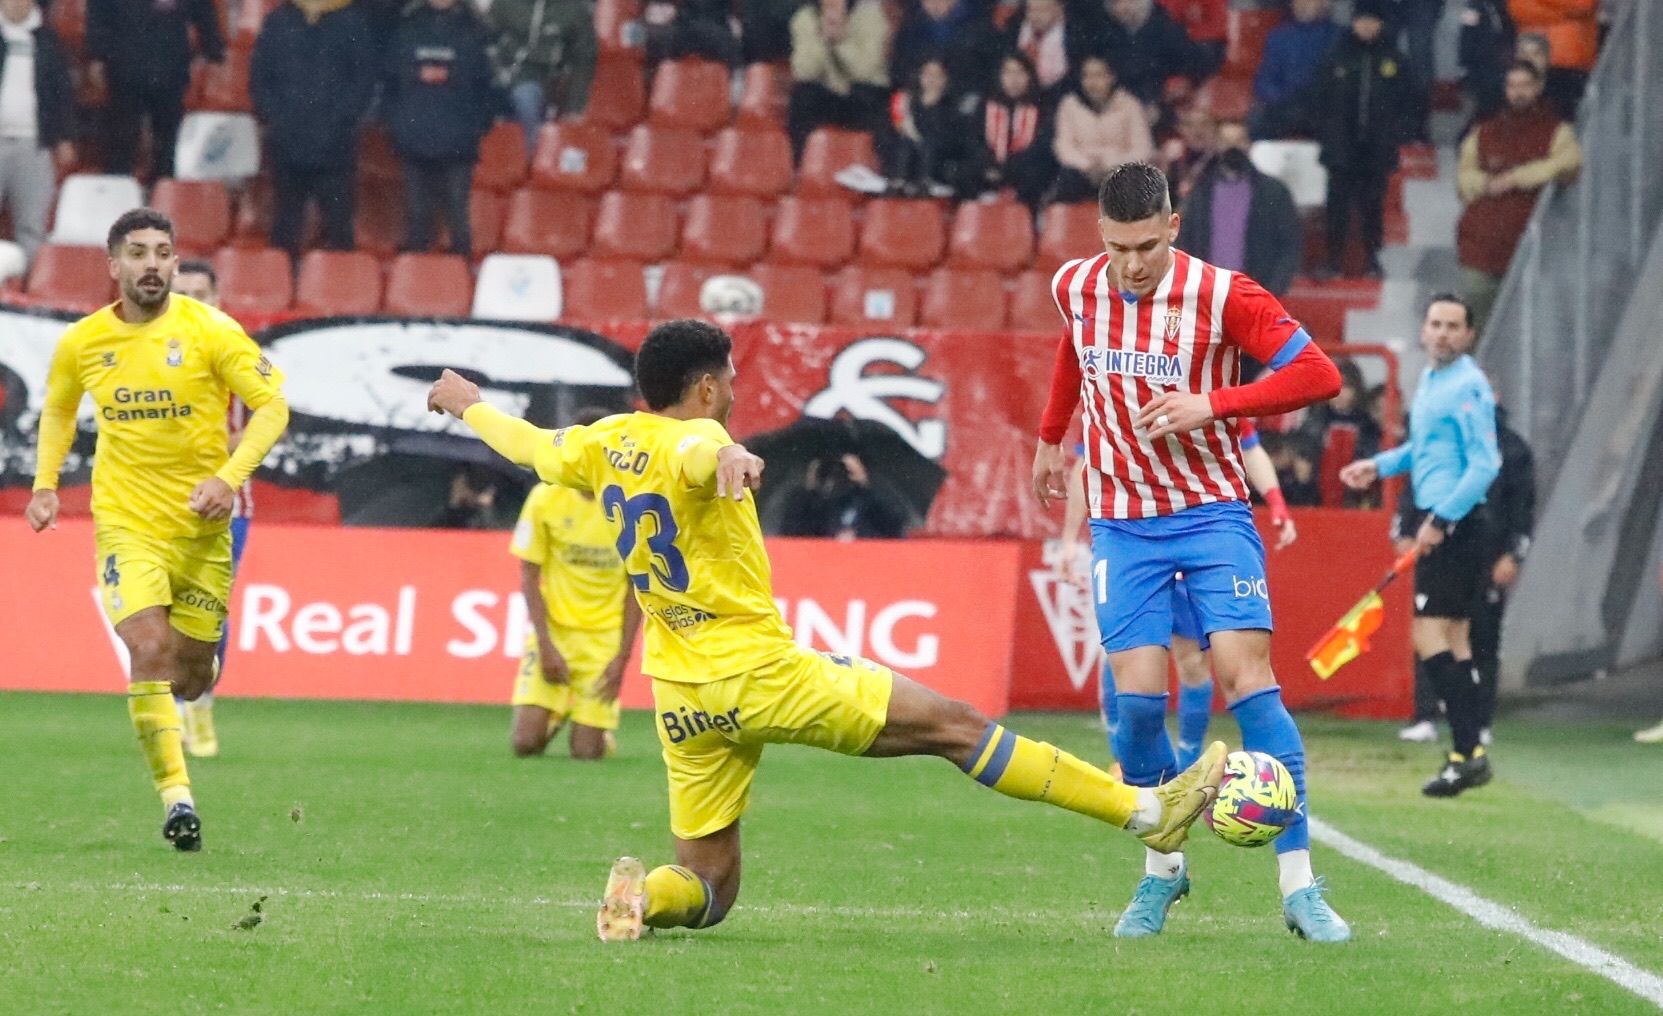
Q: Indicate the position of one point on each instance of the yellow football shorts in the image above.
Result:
(713, 733)
(587, 653)
(191, 576)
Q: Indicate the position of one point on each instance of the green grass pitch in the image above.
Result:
(409, 864)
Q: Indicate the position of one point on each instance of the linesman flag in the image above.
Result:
(1349, 638)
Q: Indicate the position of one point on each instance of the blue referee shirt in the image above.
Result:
(1451, 454)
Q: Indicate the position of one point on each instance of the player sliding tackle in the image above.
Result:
(727, 676)
(1152, 340)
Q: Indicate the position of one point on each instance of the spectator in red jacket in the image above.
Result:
(1504, 164)
(1206, 21)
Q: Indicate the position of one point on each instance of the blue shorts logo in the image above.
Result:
(1248, 588)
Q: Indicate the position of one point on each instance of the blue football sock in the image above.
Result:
(1195, 706)
(1111, 715)
(1267, 726)
(1140, 742)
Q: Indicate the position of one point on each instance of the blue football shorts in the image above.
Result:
(1135, 567)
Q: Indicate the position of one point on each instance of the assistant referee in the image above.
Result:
(1452, 458)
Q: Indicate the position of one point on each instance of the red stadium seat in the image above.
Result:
(864, 296)
(501, 158)
(691, 93)
(376, 158)
(902, 233)
(251, 219)
(71, 277)
(795, 294)
(335, 283)
(574, 155)
(429, 285)
(618, 95)
(1067, 232)
(1339, 447)
(603, 291)
(813, 231)
(724, 230)
(765, 94)
(678, 292)
(539, 222)
(754, 161)
(664, 160)
(827, 151)
(1033, 309)
(635, 227)
(968, 299)
(992, 234)
(254, 281)
(378, 218)
(200, 209)
(224, 86)
(618, 28)
(1226, 97)
(485, 213)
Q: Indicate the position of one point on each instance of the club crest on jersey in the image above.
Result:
(109, 359)
(175, 353)
(1158, 368)
(1174, 323)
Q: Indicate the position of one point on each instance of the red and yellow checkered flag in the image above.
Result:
(1349, 638)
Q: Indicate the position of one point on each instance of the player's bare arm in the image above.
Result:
(1050, 473)
(452, 394)
(737, 471)
(553, 664)
(1175, 413)
(42, 511)
(612, 678)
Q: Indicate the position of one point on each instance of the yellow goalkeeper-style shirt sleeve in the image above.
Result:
(556, 455)
(57, 416)
(238, 362)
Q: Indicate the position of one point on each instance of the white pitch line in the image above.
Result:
(1494, 915)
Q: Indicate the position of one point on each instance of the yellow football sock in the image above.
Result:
(156, 718)
(1035, 771)
(676, 898)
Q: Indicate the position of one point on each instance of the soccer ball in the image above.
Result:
(1256, 801)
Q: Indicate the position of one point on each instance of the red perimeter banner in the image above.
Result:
(323, 612)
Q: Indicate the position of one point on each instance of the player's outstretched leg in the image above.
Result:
(923, 722)
(697, 892)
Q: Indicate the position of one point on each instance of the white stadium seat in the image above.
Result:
(88, 203)
(518, 287)
(1297, 164)
(217, 146)
(12, 261)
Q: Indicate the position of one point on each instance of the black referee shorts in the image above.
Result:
(1450, 579)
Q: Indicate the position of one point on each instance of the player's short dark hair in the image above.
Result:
(1134, 191)
(1527, 67)
(1454, 298)
(136, 219)
(677, 354)
(588, 416)
(198, 266)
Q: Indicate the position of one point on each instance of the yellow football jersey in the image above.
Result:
(160, 391)
(565, 534)
(696, 560)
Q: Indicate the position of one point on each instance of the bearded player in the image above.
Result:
(728, 678)
(160, 369)
(1152, 342)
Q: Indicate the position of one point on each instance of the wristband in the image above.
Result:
(1277, 504)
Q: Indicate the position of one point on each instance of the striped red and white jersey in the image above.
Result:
(1187, 335)
(242, 499)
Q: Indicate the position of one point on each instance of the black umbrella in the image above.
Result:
(897, 473)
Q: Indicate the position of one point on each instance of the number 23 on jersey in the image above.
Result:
(647, 514)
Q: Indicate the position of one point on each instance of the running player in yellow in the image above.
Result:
(584, 620)
(727, 676)
(160, 369)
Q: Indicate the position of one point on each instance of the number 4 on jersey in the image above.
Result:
(666, 563)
